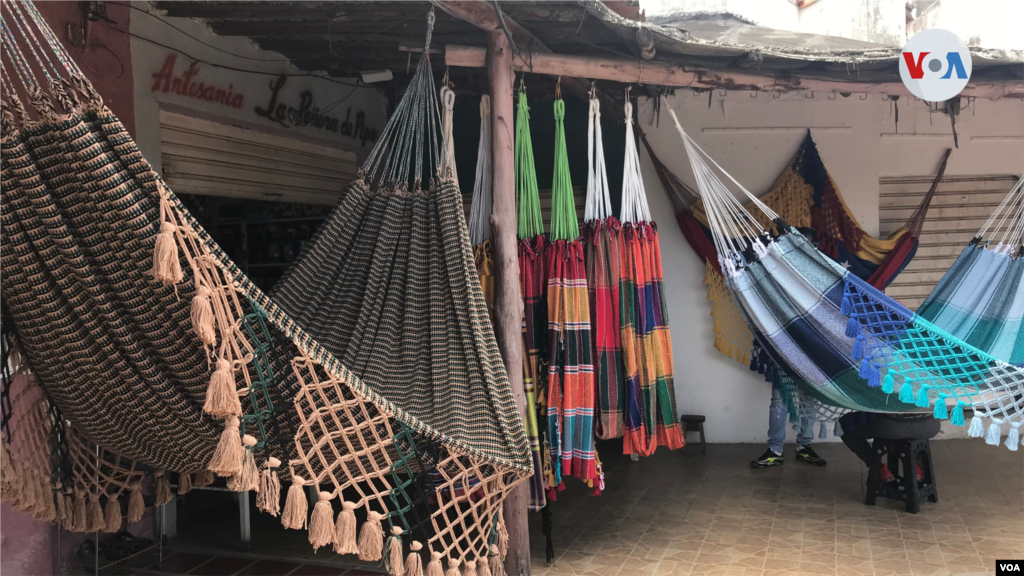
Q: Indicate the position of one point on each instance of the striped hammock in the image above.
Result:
(848, 341)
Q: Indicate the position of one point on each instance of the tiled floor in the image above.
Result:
(684, 513)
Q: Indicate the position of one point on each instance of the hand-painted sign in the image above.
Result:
(309, 115)
(189, 85)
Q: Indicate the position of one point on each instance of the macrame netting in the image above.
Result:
(167, 356)
(848, 342)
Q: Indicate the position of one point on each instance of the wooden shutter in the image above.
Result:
(959, 209)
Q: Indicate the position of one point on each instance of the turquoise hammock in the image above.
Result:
(981, 299)
(852, 345)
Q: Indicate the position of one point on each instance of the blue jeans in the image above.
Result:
(777, 418)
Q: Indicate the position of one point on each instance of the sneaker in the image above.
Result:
(767, 459)
(885, 475)
(807, 454)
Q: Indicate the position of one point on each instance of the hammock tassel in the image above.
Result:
(865, 369)
(822, 431)
(994, 432)
(434, 566)
(321, 525)
(163, 488)
(204, 478)
(166, 266)
(469, 569)
(79, 514)
(201, 314)
(483, 567)
(69, 510)
(837, 430)
(874, 375)
(268, 497)
(977, 427)
(888, 383)
(922, 396)
(371, 537)
(907, 393)
(345, 530)
(495, 561)
(136, 503)
(858, 347)
(940, 412)
(394, 559)
(94, 514)
(247, 479)
(295, 505)
(62, 505)
(1013, 437)
(453, 568)
(112, 515)
(184, 483)
(846, 306)
(413, 562)
(227, 459)
(852, 326)
(957, 417)
(222, 396)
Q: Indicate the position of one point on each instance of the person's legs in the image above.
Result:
(804, 437)
(777, 418)
(776, 433)
(859, 445)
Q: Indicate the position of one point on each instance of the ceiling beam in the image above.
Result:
(659, 73)
(483, 16)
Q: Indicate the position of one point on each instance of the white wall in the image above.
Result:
(750, 138)
(254, 71)
(986, 23)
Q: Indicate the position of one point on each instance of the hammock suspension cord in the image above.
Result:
(483, 184)
(599, 204)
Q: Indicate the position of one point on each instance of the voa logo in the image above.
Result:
(936, 65)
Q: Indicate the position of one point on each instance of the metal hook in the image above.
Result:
(753, 94)
(558, 88)
(593, 89)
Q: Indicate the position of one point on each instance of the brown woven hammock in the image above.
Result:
(157, 351)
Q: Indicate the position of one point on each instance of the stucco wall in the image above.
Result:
(750, 137)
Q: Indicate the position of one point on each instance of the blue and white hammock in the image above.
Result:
(851, 345)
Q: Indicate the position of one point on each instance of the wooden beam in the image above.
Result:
(508, 304)
(483, 16)
(659, 73)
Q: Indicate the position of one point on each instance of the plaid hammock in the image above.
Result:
(532, 284)
(650, 405)
(601, 257)
(981, 298)
(806, 197)
(846, 339)
(571, 368)
(156, 347)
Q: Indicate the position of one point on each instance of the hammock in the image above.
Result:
(155, 347)
(480, 208)
(981, 298)
(805, 196)
(650, 406)
(601, 255)
(531, 248)
(570, 368)
(847, 340)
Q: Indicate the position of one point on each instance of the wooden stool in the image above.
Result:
(694, 423)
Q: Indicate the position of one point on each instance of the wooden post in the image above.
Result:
(508, 304)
